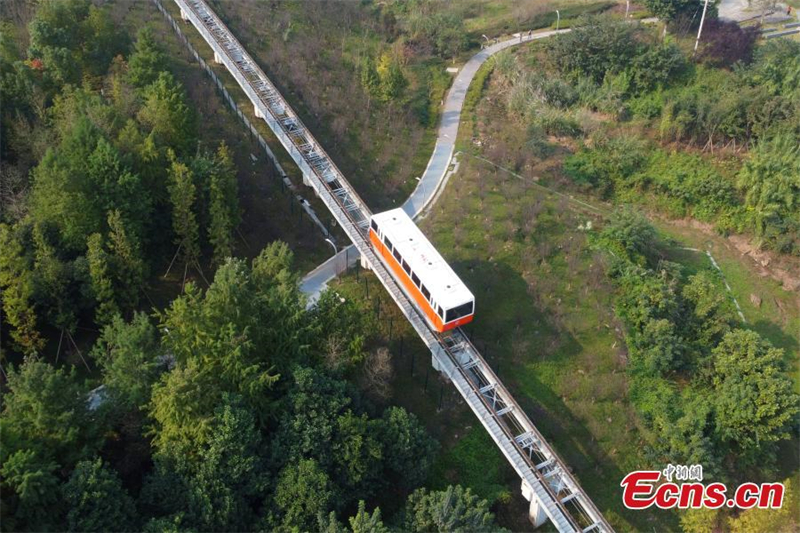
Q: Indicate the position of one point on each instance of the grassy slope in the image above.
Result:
(542, 293)
(311, 51)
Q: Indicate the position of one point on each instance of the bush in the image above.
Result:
(610, 161)
(656, 66)
(725, 43)
(556, 122)
(596, 45)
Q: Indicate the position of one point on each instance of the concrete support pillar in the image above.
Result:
(536, 512)
(184, 15)
(217, 59)
(365, 263)
(258, 112)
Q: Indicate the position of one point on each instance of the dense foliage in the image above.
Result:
(232, 408)
(247, 428)
(118, 160)
(715, 139)
(708, 391)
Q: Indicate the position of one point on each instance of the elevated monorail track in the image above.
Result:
(546, 481)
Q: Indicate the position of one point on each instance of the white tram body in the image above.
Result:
(422, 272)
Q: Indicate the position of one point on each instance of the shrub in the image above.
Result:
(725, 43)
(610, 161)
(595, 46)
(656, 66)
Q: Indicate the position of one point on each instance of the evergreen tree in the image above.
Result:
(393, 82)
(147, 60)
(184, 223)
(17, 284)
(223, 205)
(127, 354)
(53, 279)
(454, 509)
(97, 501)
(165, 111)
(45, 411)
(102, 284)
(364, 522)
(408, 449)
(754, 401)
(370, 80)
(303, 492)
(126, 259)
(34, 487)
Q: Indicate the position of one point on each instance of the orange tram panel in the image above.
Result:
(424, 275)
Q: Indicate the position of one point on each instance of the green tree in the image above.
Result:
(755, 404)
(702, 521)
(53, 281)
(393, 82)
(770, 178)
(365, 522)
(223, 205)
(55, 33)
(184, 222)
(631, 236)
(102, 283)
(303, 492)
(712, 311)
(102, 41)
(147, 60)
(357, 453)
(45, 411)
(217, 480)
(127, 354)
(230, 339)
(17, 283)
(165, 111)
(673, 10)
(596, 46)
(408, 449)
(34, 488)
(455, 509)
(658, 349)
(96, 499)
(128, 265)
(757, 520)
(370, 80)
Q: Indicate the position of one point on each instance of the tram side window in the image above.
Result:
(406, 267)
(425, 292)
(458, 312)
(415, 279)
(388, 243)
(374, 225)
(398, 256)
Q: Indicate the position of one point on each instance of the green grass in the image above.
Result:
(545, 322)
(471, 463)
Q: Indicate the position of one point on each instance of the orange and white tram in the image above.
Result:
(421, 271)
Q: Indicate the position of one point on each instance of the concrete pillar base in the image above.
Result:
(184, 16)
(307, 180)
(536, 512)
(217, 59)
(258, 112)
(365, 263)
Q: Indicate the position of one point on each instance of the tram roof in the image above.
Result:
(445, 286)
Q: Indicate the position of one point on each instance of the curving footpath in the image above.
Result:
(317, 280)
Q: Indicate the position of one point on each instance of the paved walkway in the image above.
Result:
(739, 10)
(315, 281)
